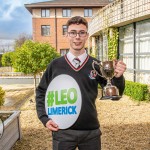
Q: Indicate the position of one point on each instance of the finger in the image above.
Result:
(119, 71)
(52, 126)
(121, 65)
(120, 68)
(114, 63)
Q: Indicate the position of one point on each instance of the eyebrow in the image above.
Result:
(78, 31)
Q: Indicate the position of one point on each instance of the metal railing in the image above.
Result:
(119, 12)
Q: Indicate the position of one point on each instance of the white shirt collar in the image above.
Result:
(82, 57)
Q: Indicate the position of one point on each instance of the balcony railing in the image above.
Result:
(119, 12)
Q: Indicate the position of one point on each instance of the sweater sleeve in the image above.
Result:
(119, 83)
(40, 95)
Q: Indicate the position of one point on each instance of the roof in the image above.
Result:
(67, 3)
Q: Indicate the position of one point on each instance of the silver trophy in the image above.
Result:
(107, 71)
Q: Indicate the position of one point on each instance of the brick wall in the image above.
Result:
(58, 41)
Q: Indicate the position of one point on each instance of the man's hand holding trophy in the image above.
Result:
(108, 70)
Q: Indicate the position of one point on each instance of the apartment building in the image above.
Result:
(132, 19)
(49, 19)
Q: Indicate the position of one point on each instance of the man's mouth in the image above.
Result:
(77, 43)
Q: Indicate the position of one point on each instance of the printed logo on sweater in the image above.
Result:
(63, 101)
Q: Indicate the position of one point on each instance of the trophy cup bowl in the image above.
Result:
(107, 71)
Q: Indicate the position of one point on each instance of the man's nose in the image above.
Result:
(78, 35)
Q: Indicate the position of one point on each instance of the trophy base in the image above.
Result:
(114, 97)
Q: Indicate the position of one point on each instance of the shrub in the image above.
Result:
(2, 95)
(137, 91)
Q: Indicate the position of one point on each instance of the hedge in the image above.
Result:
(137, 91)
(2, 95)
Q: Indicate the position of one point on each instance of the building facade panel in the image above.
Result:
(56, 22)
(132, 18)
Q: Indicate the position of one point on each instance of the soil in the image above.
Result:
(4, 116)
(125, 125)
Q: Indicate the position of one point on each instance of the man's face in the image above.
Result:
(77, 41)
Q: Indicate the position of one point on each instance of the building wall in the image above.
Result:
(56, 37)
(132, 18)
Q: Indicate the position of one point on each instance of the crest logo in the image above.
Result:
(93, 74)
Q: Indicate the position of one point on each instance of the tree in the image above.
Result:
(21, 39)
(33, 57)
(7, 59)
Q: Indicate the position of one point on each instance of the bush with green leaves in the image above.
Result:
(33, 57)
(7, 59)
(2, 96)
(137, 91)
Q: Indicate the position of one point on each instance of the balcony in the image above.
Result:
(119, 13)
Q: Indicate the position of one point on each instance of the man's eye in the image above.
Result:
(73, 33)
(82, 32)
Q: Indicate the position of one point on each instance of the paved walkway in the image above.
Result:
(16, 94)
(8, 87)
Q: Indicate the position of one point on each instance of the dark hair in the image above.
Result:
(77, 20)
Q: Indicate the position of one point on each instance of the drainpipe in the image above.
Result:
(55, 29)
(118, 49)
(134, 50)
(89, 45)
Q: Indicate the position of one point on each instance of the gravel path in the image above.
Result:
(125, 125)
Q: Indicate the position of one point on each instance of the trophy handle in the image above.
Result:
(99, 64)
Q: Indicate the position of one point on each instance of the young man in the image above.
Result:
(84, 133)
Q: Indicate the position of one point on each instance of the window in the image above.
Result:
(142, 47)
(134, 43)
(45, 30)
(63, 51)
(126, 46)
(64, 29)
(66, 12)
(45, 13)
(87, 12)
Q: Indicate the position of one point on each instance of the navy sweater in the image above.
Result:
(87, 119)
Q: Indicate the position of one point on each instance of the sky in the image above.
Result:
(15, 19)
